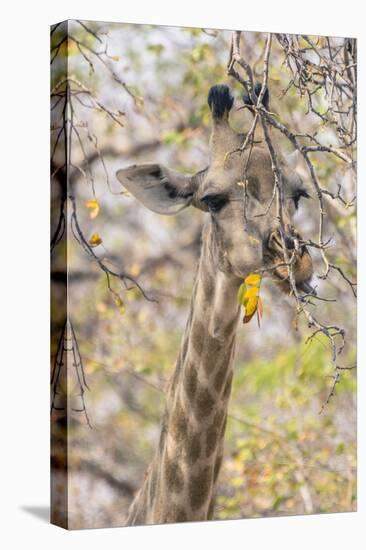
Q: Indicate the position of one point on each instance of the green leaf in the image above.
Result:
(157, 49)
(171, 137)
(241, 293)
(120, 304)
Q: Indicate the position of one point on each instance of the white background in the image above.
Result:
(24, 305)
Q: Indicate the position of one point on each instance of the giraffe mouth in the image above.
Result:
(298, 256)
(306, 288)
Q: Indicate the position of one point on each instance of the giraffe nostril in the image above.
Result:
(289, 242)
(273, 242)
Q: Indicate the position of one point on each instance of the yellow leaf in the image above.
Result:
(248, 297)
(95, 239)
(251, 305)
(253, 279)
(251, 294)
(93, 204)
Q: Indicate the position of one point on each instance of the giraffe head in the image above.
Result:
(245, 229)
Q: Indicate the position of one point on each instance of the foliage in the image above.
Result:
(285, 457)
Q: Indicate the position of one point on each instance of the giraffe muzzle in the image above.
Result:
(298, 256)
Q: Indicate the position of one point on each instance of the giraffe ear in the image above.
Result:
(158, 188)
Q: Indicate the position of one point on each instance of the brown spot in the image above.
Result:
(220, 378)
(181, 515)
(163, 431)
(197, 336)
(219, 417)
(178, 423)
(208, 286)
(175, 514)
(199, 488)
(227, 389)
(173, 475)
(211, 439)
(136, 515)
(193, 448)
(190, 380)
(152, 486)
(217, 468)
(190, 315)
(223, 428)
(211, 351)
(254, 186)
(204, 403)
(175, 377)
(211, 509)
(214, 432)
(184, 348)
(230, 329)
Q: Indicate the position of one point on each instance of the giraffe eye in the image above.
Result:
(298, 194)
(214, 202)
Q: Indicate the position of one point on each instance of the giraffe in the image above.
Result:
(237, 239)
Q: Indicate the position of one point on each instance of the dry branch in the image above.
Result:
(338, 87)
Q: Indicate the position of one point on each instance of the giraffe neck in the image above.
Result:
(180, 482)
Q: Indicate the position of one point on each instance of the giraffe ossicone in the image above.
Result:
(237, 240)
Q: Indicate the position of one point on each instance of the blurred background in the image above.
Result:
(137, 93)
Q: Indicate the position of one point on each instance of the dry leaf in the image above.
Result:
(259, 311)
(260, 308)
(95, 240)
